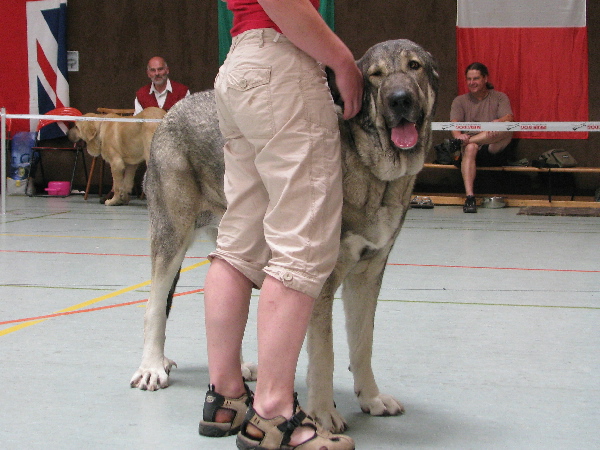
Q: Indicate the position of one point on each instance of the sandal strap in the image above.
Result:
(277, 433)
(215, 402)
(288, 427)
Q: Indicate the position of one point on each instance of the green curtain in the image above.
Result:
(225, 18)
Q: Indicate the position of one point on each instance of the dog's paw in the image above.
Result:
(330, 419)
(249, 371)
(119, 198)
(382, 405)
(115, 201)
(152, 379)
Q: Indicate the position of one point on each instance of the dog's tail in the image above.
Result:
(172, 291)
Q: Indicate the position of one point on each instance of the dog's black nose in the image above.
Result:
(400, 102)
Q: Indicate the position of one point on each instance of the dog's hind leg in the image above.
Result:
(128, 181)
(172, 230)
(154, 369)
(360, 291)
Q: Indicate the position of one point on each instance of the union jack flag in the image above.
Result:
(34, 41)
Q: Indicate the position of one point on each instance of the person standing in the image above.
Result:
(281, 229)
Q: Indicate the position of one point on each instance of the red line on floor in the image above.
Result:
(389, 264)
(494, 268)
(99, 308)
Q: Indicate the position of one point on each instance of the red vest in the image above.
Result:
(148, 99)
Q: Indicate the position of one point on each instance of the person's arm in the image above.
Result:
(457, 134)
(456, 112)
(301, 23)
(506, 115)
(504, 110)
(497, 134)
(506, 118)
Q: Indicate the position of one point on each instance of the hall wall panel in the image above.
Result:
(116, 38)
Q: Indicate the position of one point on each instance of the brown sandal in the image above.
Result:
(277, 433)
(213, 403)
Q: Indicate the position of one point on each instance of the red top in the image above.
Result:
(148, 99)
(249, 15)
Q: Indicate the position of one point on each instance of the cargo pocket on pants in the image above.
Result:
(250, 101)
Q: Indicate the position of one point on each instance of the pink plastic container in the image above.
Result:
(61, 188)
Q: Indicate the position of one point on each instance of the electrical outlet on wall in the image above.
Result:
(73, 61)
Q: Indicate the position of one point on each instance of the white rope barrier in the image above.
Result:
(583, 127)
(435, 126)
(516, 126)
(78, 118)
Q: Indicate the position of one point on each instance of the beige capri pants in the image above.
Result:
(283, 173)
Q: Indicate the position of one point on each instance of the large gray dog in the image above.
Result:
(384, 147)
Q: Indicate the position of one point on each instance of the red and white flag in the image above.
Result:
(536, 52)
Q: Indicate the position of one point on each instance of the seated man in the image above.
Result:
(481, 104)
(161, 92)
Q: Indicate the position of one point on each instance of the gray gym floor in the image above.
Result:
(487, 329)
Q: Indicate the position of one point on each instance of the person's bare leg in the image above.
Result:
(226, 303)
(500, 144)
(494, 137)
(283, 317)
(468, 167)
(496, 142)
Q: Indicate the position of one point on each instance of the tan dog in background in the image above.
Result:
(124, 145)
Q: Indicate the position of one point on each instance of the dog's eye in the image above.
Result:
(376, 73)
(414, 65)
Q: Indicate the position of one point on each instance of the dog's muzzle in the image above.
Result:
(404, 134)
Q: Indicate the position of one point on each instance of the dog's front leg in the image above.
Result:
(319, 379)
(120, 197)
(360, 291)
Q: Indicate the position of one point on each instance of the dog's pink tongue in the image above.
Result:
(405, 135)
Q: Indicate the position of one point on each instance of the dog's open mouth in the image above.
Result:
(405, 135)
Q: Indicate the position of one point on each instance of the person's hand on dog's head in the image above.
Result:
(354, 88)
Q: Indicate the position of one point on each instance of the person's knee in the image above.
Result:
(470, 151)
(499, 146)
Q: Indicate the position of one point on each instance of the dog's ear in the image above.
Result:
(335, 93)
(88, 130)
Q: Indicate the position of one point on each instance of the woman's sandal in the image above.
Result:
(235, 407)
(277, 432)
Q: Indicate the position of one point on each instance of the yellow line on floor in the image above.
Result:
(87, 237)
(73, 237)
(92, 301)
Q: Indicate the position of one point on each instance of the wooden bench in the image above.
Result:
(523, 169)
